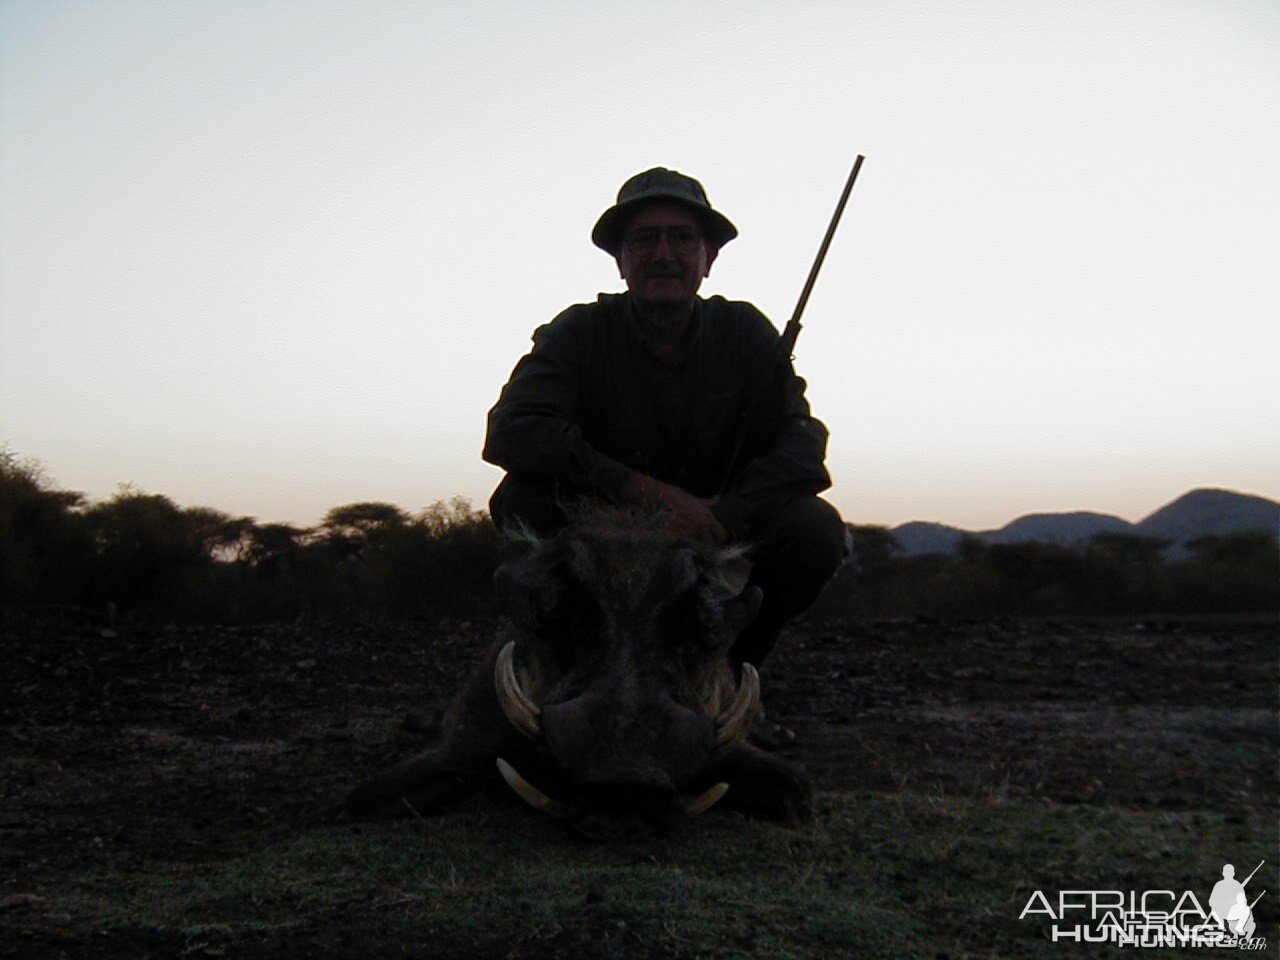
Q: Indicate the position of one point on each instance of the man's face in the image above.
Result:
(664, 257)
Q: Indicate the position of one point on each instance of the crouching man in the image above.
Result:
(638, 398)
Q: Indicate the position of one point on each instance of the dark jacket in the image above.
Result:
(592, 403)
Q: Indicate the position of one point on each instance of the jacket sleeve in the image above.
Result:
(534, 430)
(786, 447)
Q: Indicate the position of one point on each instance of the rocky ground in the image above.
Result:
(131, 750)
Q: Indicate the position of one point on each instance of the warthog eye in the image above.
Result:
(568, 634)
(682, 624)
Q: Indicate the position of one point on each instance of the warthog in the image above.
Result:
(611, 700)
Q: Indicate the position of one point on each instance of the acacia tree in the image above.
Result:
(1126, 548)
(272, 546)
(354, 528)
(222, 536)
(1247, 547)
(874, 549)
(45, 549)
(1231, 572)
(1125, 573)
(147, 548)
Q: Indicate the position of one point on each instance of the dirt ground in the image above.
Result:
(196, 745)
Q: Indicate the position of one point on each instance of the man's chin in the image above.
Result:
(659, 304)
(665, 293)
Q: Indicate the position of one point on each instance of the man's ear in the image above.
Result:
(711, 258)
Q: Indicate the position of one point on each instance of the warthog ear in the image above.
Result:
(719, 575)
(720, 579)
(531, 569)
(727, 575)
(541, 571)
(726, 586)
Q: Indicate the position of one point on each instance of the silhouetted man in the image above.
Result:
(1240, 917)
(637, 399)
(1224, 894)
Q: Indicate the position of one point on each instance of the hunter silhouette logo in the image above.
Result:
(1154, 918)
(1230, 904)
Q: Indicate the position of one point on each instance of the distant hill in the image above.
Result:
(1204, 512)
(1199, 513)
(1067, 529)
(920, 537)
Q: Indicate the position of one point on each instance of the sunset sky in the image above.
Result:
(273, 256)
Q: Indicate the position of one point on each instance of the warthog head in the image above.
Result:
(619, 669)
(612, 702)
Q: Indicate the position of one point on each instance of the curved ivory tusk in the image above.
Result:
(520, 710)
(733, 721)
(692, 806)
(531, 794)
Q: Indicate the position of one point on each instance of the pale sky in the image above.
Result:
(278, 256)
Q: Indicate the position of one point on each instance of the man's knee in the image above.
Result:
(533, 504)
(794, 556)
(807, 532)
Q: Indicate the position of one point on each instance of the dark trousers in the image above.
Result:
(794, 552)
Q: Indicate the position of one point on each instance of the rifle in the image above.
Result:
(1255, 870)
(787, 342)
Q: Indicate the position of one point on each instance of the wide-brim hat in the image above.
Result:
(660, 184)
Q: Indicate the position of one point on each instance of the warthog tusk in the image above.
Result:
(531, 794)
(692, 806)
(520, 710)
(734, 720)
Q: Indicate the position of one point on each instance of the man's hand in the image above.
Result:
(690, 515)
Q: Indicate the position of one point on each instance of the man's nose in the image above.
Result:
(662, 250)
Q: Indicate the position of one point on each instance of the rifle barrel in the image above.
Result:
(1255, 870)
(826, 243)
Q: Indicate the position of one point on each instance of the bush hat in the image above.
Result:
(660, 184)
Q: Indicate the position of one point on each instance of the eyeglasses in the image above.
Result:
(681, 240)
